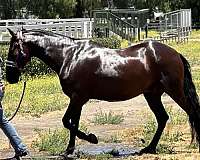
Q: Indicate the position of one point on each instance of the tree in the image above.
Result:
(52, 8)
(88, 6)
(121, 3)
(65, 8)
(79, 9)
(7, 9)
(195, 7)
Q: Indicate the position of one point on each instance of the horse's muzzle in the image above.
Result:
(12, 75)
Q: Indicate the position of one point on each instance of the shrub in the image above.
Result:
(111, 42)
(107, 118)
(54, 141)
(3, 55)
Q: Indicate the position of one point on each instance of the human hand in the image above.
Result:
(2, 88)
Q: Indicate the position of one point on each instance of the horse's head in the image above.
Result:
(18, 56)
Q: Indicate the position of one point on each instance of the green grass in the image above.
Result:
(112, 139)
(170, 135)
(191, 51)
(42, 95)
(195, 34)
(107, 118)
(162, 147)
(54, 141)
(177, 117)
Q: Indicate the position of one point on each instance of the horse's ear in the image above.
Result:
(11, 32)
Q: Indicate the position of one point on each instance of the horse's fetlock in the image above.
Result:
(66, 123)
(166, 117)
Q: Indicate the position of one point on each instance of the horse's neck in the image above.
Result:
(51, 51)
(52, 56)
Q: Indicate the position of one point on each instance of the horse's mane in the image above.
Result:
(41, 32)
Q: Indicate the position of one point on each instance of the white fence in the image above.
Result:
(180, 19)
(77, 27)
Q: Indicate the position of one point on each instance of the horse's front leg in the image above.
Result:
(74, 129)
(71, 122)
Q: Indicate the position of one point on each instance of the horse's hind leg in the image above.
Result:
(192, 110)
(179, 86)
(154, 101)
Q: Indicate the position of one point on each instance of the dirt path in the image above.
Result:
(131, 110)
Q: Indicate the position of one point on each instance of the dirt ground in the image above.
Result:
(131, 109)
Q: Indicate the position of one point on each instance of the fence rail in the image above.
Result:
(77, 27)
(107, 23)
(121, 27)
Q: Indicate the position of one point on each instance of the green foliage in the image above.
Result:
(36, 68)
(54, 141)
(149, 130)
(90, 5)
(121, 3)
(177, 117)
(52, 8)
(111, 42)
(3, 55)
(112, 139)
(148, 133)
(191, 51)
(165, 148)
(69, 8)
(170, 137)
(33, 69)
(42, 95)
(4, 51)
(193, 146)
(107, 118)
(173, 137)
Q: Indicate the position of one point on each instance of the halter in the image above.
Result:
(11, 64)
(21, 54)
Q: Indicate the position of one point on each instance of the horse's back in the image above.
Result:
(103, 73)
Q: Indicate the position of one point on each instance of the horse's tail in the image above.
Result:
(192, 100)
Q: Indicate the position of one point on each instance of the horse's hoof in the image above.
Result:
(66, 156)
(92, 138)
(69, 151)
(147, 150)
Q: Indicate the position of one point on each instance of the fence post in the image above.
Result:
(85, 32)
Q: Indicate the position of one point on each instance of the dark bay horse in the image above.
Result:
(89, 71)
